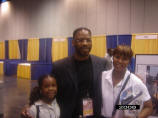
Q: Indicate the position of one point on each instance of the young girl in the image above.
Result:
(42, 98)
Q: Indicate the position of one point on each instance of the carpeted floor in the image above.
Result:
(14, 95)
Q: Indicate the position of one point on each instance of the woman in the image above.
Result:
(114, 80)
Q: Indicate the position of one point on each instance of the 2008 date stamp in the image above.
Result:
(127, 107)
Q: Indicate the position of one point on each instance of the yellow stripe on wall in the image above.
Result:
(14, 52)
(1, 68)
(33, 49)
(59, 49)
(2, 50)
(98, 46)
(145, 43)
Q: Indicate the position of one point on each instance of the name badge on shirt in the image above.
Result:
(87, 107)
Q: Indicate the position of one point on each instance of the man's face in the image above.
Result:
(82, 43)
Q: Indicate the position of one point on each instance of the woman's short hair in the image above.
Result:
(123, 50)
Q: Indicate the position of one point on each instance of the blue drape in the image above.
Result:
(111, 41)
(23, 48)
(42, 50)
(49, 50)
(124, 40)
(20, 42)
(71, 49)
(131, 66)
(40, 69)
(45, 50)
(25, 43)
(6, 50)
(114, 40)
(11, 67)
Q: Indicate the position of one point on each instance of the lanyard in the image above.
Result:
(118, 97)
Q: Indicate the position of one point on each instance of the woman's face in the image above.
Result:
(49, 88)
(120, 62)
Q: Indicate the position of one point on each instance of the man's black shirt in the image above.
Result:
(84, 82)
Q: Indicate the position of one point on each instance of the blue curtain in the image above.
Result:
(71, 49)
(11, 67)
(131, 66)
(49, 50)
(20, 42)
(25, 43)
(45, 50)
(111, 41)
(42, 50)
(114, 40)
(6, 50)
(40, 69)
(23, 49)
(124, 39)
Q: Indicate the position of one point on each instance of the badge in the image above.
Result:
(87, 107)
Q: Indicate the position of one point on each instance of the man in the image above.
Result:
(78, 77)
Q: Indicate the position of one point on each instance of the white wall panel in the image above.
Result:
(101, 24)
(72, 7)
(81, 13)
(112, 17)
(91, 9)
(151, 16)
(137, 16)
(124, 17)
(48, 18)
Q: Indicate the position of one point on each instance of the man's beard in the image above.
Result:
(82, 53)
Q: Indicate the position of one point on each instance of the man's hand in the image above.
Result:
(24, 113)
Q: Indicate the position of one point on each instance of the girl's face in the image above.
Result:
(120, 62)
(49, 88)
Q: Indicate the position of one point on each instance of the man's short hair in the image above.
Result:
(79, 29)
